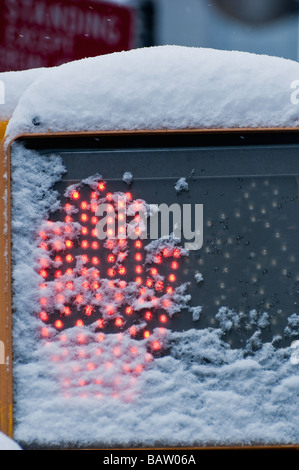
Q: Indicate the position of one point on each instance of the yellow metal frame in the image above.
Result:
(6, 372)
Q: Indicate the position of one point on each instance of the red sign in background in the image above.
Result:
(46, 33)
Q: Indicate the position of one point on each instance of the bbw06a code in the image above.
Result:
(175, 459)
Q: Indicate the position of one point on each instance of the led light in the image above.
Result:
(163, 318)
(58, 324)
(166, 252)
(58, 245)
(59, 286)
(43, 235)
(94, 220)
(84, 230)
(68, 229)
(69, 243)
(84, 258)
(43, 273)
(158, 259)
(159, 286)
(68, 219)
(138, 244)
(44, 246)
(84, 205)
(118, 296)
(44, 332)
(85, 285)
(93, 195)
(174, 265)
(110, 309)
(172, 277)
(84, 244)
(100, 323)
(67, 207)
(44, 316)
(60, 298)
(79, 323)
(148, 315)
(95, 285)
(122, 270)
(69, 271)
(95, 245)
(129, 310)
(156, 345)
(79, 299)
(95, 274)
(109, 196)
(138, 257)
(129, 196)
(75, 195)
(43, 285)
(58, 274)
(101, 186)
(122, 284)
(111, 258)
(138, 269)
(98, 296)
(69, 258)
(119, 322)
(110, 232)
(67, 311)
(84, 217)
(138, 280)
(88, 310)
(166, 303)
(146, 334)
(149, 283)
(169, 290)
(93, 207)
(94, 232)
(154, 272)
(133, 330)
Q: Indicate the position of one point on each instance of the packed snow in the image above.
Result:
(158, 88)
(8, 444)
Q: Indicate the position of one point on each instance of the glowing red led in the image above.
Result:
(93, 207)
(85, 285)
(58, 324)
(43, 273)
(174, 265)
(67, 207)
(172, 277)
(88, 310)
(84, 205)
(138, 269)
(163, 318)
(146, 334)
(138, 244)
(84, 217)
(111, 272)
(94, 232)
(44, 316)
(69, 258)
(129, 310)
(69, 243)
(138, 280)
(166, 252)
(149, 283)
(176, 253)
(169, 290)
(129, 196)
(95, 261)
(95, 285)
(43, 235)
(79, 299)
(75, 195)
(68, 229)
(138, 256)
(84, 244)
(159, 286)
(67, 311)
(68, 219)
(109, 196)
(148, 315)
(44, 246)
(79, 323)
(69, 271)
(122, 270)
(94, 220)
(84, 258)
(156, 345)
(111, 258)
(154, 271)
(101, 186)
(58, 274)
(93, 195)
(95, 245)
(119, 322)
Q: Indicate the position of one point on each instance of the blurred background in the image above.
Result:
(45, 33)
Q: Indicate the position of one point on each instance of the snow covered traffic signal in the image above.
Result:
(139, 260)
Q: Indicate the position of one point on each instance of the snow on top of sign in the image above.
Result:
(12, 86)
(160, 87)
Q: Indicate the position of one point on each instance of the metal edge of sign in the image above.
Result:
(6, 372)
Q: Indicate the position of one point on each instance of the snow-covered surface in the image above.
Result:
(15, 84)
(202, 392)
(160, 87)
(8, 444)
